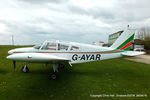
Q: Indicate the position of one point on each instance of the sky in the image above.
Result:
(87, 21)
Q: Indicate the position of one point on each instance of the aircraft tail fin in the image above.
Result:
(125, 40)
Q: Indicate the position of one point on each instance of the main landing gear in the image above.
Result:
(56, 67)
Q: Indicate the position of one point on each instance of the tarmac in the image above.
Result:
(140, 58)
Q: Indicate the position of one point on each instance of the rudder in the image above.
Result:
(125, 40)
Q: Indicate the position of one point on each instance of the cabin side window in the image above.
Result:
(62, 46)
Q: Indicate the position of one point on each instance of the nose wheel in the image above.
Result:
(25, 69)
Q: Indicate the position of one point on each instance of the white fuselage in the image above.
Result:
(83, 53)
(72, 52)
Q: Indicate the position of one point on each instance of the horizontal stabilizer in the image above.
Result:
(132, 53)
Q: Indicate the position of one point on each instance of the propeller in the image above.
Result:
(14, 63)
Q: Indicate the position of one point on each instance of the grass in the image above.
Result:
(115, 76)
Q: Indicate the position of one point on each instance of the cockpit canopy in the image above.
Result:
(56, 45)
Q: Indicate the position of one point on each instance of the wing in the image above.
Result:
(132, 53)
(36, 57)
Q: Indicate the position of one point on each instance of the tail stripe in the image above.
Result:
(126, 46)
(126, 42)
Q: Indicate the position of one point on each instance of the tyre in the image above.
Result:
(53, 76)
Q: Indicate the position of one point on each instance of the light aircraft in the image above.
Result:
(61, 53)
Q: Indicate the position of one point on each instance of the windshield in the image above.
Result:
(37, 46)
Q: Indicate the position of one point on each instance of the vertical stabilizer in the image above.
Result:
(125, 40)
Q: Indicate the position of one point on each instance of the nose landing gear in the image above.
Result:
(25, 69)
